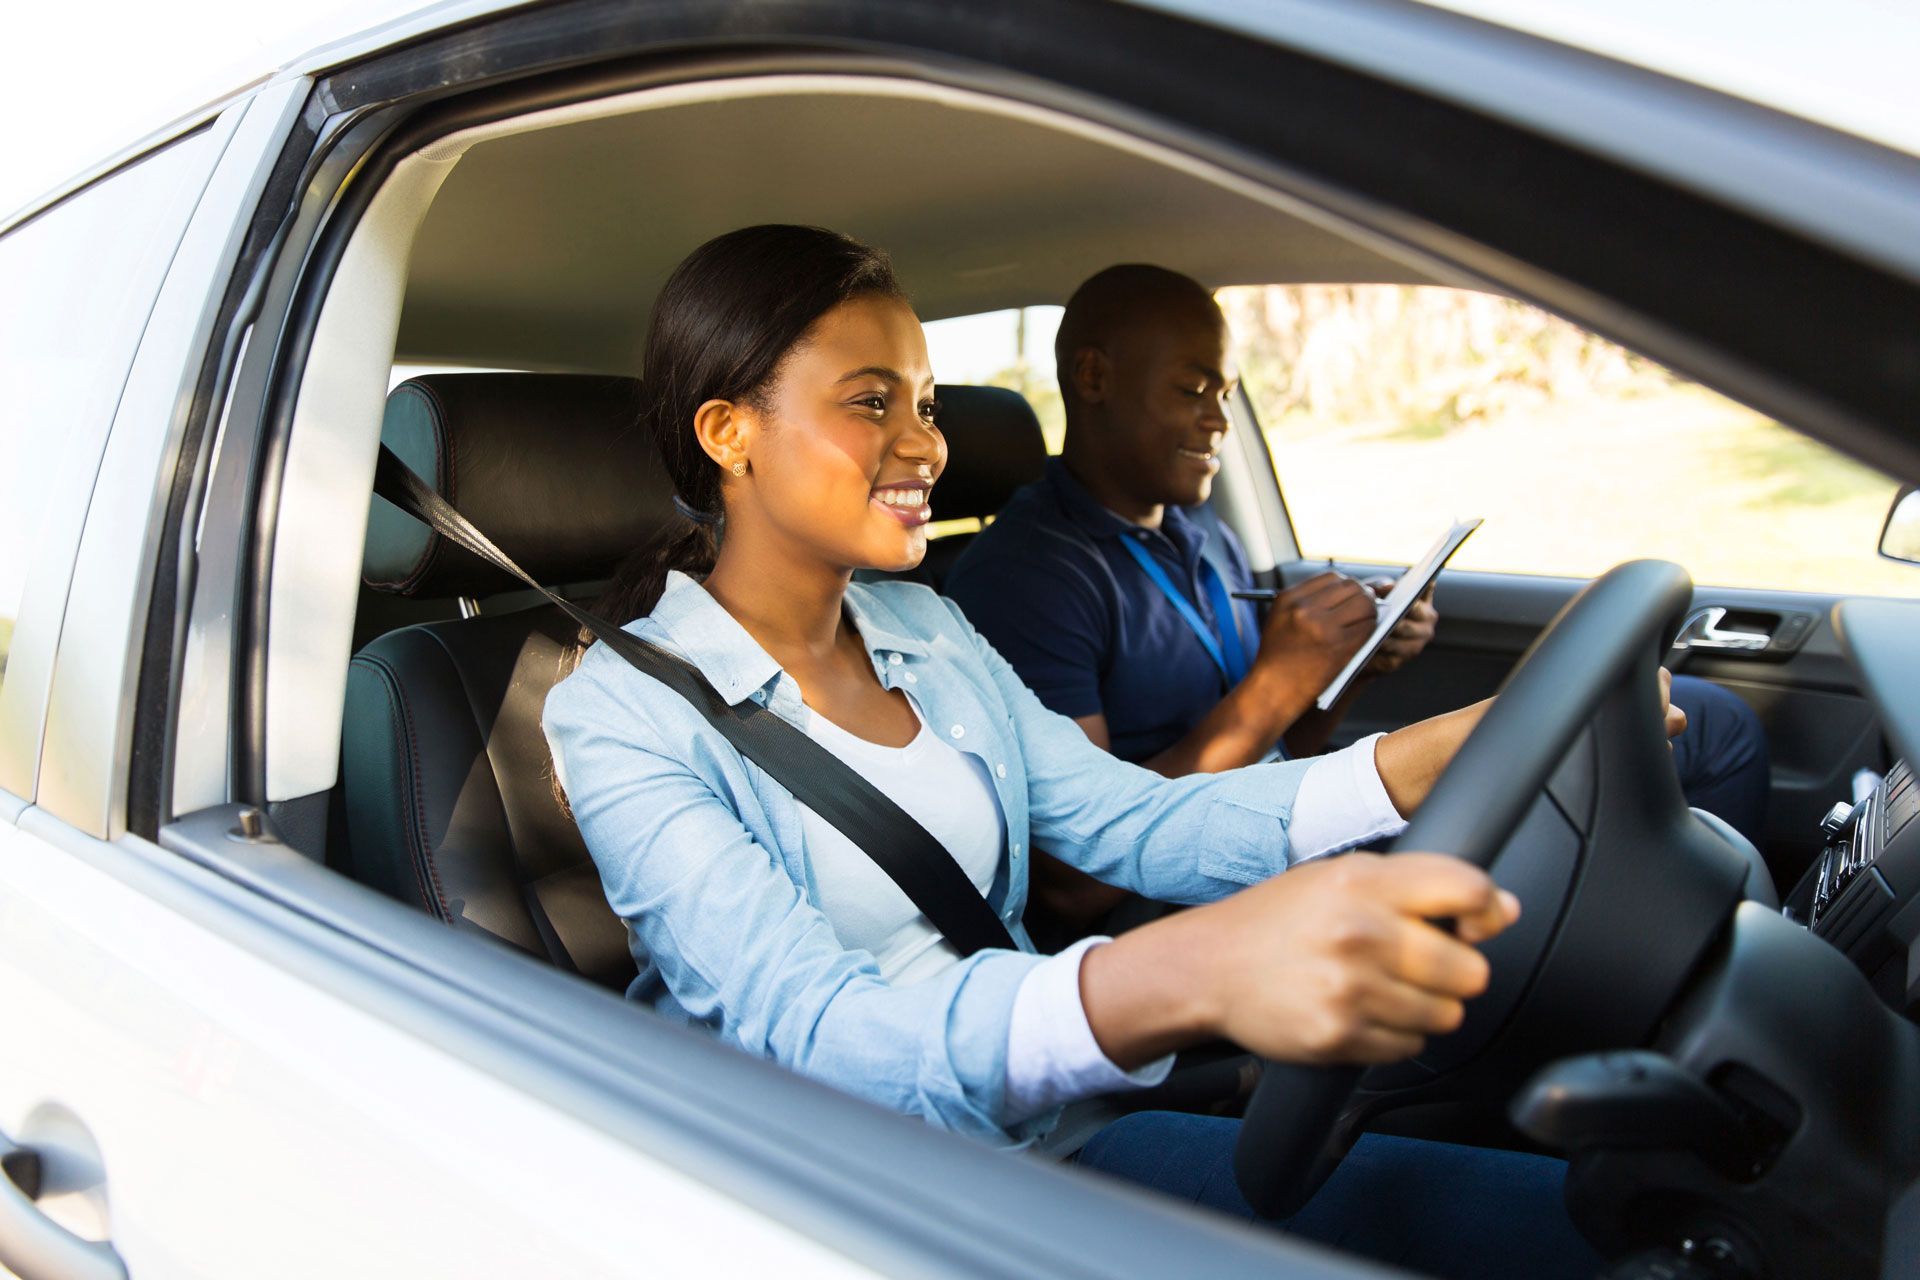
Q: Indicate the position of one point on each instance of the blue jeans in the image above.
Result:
(1722, 757)
(1433, 1207)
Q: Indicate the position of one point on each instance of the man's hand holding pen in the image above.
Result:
(1325, 609)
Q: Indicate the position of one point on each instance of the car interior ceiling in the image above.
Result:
(518, 264)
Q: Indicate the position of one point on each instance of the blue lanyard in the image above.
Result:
(1233, 661)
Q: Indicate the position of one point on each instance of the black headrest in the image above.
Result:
(558, 471)
(555, 468)
(994, 446)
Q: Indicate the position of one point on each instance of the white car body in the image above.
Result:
(221, 1085)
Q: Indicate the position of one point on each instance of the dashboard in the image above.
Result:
(1862, 894)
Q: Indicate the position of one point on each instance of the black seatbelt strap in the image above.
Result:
(909, 854)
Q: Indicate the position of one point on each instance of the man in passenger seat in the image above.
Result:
(1107, 585)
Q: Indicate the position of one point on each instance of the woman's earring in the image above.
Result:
(739, 468)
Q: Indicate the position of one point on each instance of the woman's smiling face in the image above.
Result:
(842, 449)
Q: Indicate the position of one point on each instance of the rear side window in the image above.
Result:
(76, 284)
(1012, 349)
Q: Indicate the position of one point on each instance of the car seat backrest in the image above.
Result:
(994, 445)
(446, 777)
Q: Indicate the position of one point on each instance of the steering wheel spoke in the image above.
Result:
(1566, 792)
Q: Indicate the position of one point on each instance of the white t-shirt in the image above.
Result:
(947, 792)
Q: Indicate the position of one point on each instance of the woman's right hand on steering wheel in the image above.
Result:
(1334, 961)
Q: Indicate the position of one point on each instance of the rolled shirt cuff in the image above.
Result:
(1052, 1057)
(1342, 803)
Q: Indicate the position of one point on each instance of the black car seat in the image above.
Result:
(994, 446)
(446, 781)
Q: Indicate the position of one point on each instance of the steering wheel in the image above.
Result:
(1570, 767)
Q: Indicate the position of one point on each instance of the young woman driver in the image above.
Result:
(789, 391)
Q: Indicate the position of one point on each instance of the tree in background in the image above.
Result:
(1413, 359)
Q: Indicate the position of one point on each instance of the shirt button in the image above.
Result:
(958, 731)
(893, 659)
(999, 771)
(912, 678)
(1016, 847)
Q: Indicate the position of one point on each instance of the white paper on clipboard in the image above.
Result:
(1413, 583)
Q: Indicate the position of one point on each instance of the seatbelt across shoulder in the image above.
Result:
(906, 851)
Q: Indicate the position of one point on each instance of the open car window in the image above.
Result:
(1012, 348)
(1391, 410)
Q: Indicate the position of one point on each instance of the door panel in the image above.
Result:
(287, 1074)
(249, 1122)
(1820, 729)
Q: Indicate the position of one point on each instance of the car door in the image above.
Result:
(1578, 455)
(175, 1106)
(78, 278)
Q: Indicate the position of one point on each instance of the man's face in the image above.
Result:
(1166, 407)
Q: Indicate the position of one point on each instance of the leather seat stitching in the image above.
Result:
(418, 846)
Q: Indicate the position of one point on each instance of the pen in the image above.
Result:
(1267, 594)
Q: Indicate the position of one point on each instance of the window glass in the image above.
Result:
(1012, 349)
(1391, 410)
(76, 283)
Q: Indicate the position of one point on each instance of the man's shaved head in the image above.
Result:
(1118, 300)
(1145, 378)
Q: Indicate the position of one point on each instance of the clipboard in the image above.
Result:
(1411, 586)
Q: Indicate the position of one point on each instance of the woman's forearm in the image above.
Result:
(1143, 995)
(1411, 760)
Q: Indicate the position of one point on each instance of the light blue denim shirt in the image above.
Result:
(704, 858)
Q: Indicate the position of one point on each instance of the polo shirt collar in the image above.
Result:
(1085, 510)
(1082, 507)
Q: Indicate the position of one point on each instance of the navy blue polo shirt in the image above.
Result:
(1050, 586)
